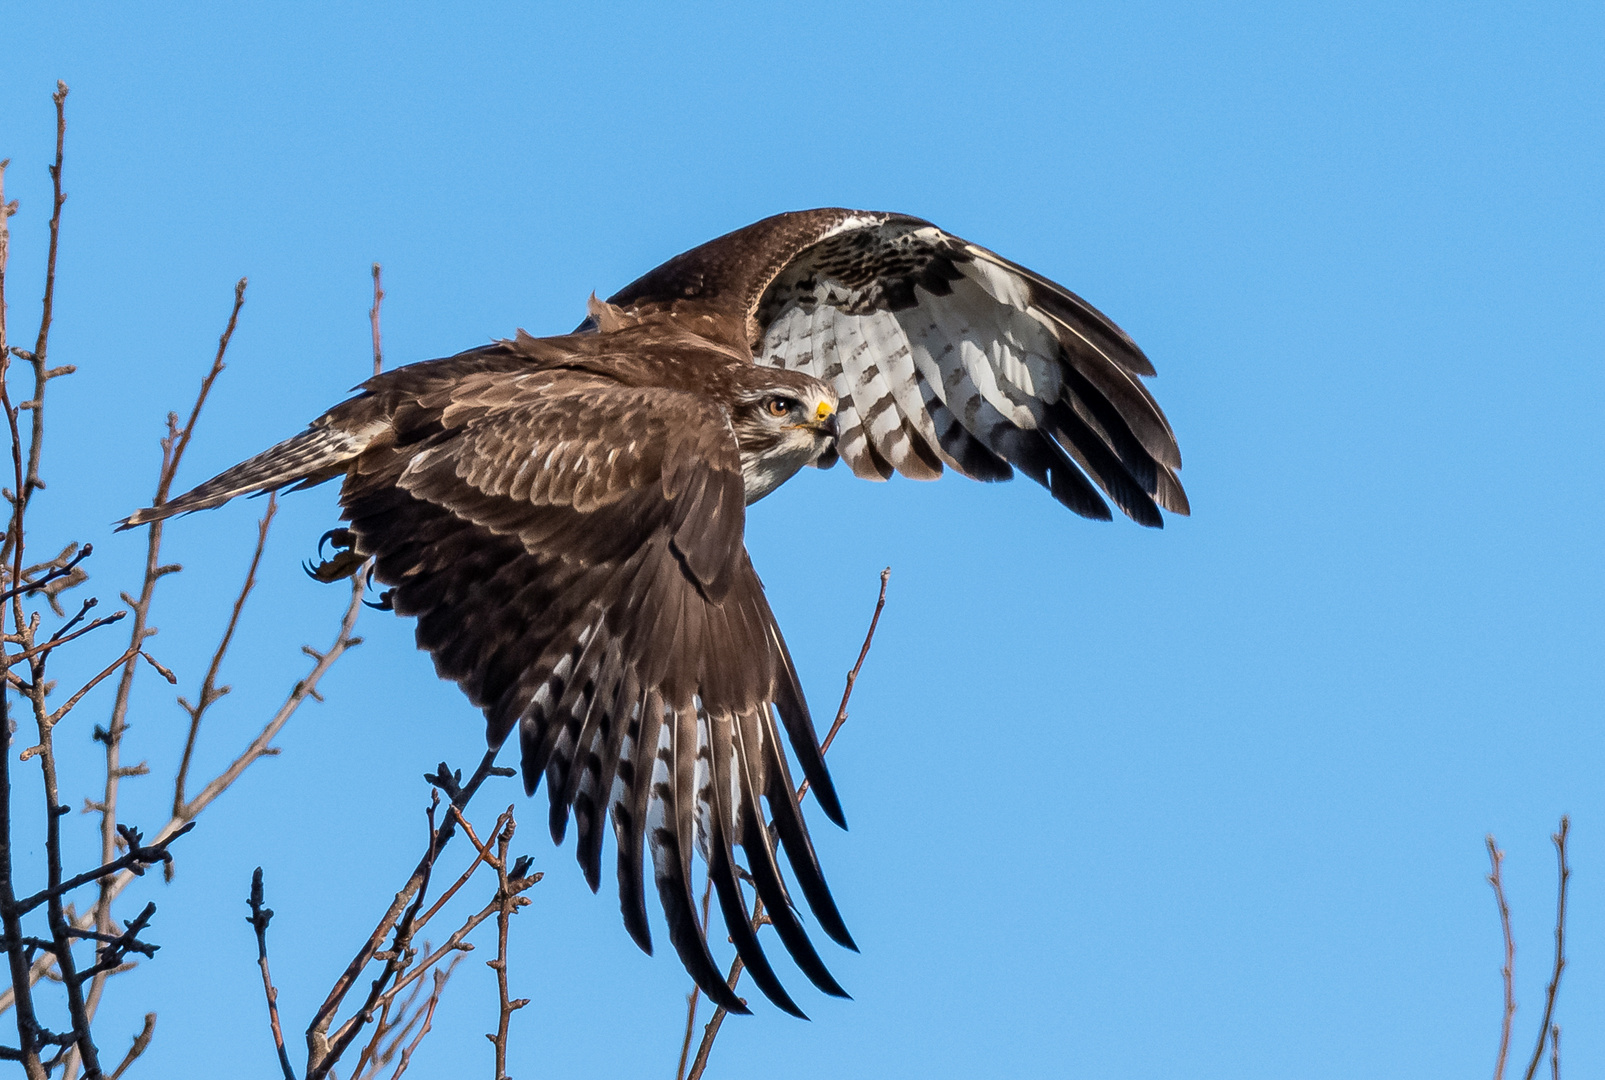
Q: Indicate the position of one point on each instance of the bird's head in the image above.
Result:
(785, 420)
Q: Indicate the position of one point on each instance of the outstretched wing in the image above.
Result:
(943, 354)
(573, 551)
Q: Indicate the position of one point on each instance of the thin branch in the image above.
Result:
(307, 687)
(261, 915)
(210, 691)
(373, 321)
(455, 943)
(1559, 839)
(716, 1021)
(318, 1043)
(863, 653)
(1496, 859)
(40, 651)
(135, 861)
(54, 571)
(29, 1030)
(106, 673)
(399, 956)
(260, 746)
(36, 426)
(508, 901)
(141, 1044)
(173, 446)
(441, 976)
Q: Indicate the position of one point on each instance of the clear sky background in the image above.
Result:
(1206, 802)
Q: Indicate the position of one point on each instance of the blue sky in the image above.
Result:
(1206, 802)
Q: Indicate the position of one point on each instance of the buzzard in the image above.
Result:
(564, 518)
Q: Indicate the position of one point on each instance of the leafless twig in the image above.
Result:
(508, 901)
(716, 1021)
(261, 915)
(141, 1044)
(1559, 839)
(459, 794)
(1548, 1031)
(1496, 859)
(173, 446)
(210, 691)
(373, 321)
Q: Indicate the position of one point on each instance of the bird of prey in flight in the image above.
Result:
(564, 518)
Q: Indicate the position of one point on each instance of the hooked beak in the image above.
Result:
(830, 427)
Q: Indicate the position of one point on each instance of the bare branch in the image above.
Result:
(307, 687)
(138, 858)
(318, 1043)
(54, 571)
(320, 1064)
(696, 991)
(441, 976)
(508, 901)
(261, 915)
(260, 746)
(1496, 859)
(172, 447)
(141, 1043)
(373, 321)
(1559, 839)
(210, 692)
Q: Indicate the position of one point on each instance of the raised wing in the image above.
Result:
(573, 551)
(943, 355)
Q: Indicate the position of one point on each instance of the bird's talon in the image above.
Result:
(341, 538)
(338, 568)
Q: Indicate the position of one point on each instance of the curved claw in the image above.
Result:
(383, 603)
(342, 538)
(338, 568)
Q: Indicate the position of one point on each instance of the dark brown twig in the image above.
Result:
(210, 691)
(173, 446)
(508, 901)
(1559, 839)
(261, 915)
(138, 857)
(318, 1041)
(373, 321)
(716, 1021)
(1496, 859)
(260, 746)
(141, 1044)
(441, 977)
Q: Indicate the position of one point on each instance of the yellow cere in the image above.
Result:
(823, 411)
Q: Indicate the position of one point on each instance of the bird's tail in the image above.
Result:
(315, 455)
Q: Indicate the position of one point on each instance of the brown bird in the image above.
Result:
(564, 516)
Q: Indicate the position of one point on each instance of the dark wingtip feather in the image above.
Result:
(805, 743)
(528, 750)
(736, 921)
(557, 817)
(793, 832)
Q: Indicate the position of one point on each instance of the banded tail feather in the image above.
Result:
(317, 454)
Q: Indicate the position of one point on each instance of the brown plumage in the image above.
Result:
(564, 517)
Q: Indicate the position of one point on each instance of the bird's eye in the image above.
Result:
(780, 406)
